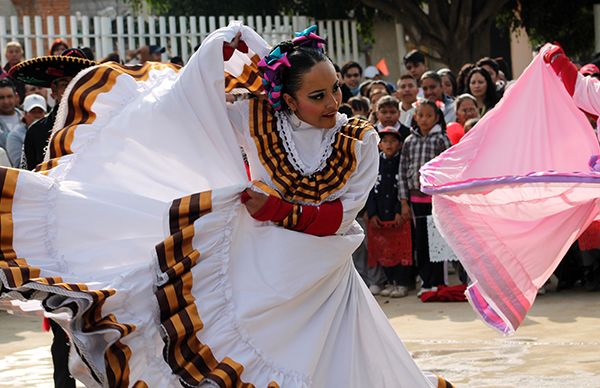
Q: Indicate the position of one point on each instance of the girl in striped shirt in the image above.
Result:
(427, 140)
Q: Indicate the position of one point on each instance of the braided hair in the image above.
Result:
(283, 68)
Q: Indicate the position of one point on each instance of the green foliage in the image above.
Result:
(569, 23)
(330, 9)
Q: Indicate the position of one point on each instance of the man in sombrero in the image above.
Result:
(54, 72)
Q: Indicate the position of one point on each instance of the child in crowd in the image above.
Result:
(414, 61)
(431, 83)
(376, 90)
(406, 92)
(427, 140)
(388, 115)
(360, 107)
(388, 232)
(470, 123)
(346, 109)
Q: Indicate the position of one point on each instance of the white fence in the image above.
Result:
(178, 34)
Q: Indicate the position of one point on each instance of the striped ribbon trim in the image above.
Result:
(291, 220)
(443, 383)
(188, 358)
(294, 186)
(19, 276)
(100, 79)
(249, 78)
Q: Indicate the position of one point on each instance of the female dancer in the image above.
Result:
(133, 236)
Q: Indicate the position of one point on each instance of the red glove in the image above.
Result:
(561, 65)
(323, 220)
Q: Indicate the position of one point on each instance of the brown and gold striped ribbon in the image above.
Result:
(19, 273)
(100, 79)
(294, 186)
(291, 220)
(249, 78)
(192, 360)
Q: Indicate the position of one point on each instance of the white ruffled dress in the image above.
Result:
(133, 238)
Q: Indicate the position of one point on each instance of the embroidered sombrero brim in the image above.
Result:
(41, 71)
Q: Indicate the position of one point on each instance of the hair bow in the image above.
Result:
(309, 38)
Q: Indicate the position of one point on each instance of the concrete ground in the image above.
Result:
(557, 346)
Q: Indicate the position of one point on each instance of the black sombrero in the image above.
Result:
(41, 71)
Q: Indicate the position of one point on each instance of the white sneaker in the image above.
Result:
(542, 290)
(422, 290)
(399, 292)
(375, 289)
(387, 290)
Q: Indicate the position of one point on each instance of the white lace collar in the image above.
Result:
(285, 129)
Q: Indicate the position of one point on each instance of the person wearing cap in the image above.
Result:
(34, 107)
(54, 72)
(155, 52)
(391, 249)
(11, 118)
(145, 54)
(371, 72)
(177, 60)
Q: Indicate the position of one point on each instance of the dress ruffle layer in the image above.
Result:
(132, 237)
(515, 193)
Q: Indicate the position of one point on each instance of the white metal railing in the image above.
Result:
(178, 34)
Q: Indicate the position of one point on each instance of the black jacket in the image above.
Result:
(383, 198)
(36, 139)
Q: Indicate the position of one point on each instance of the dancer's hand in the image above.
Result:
(552, 52)
(236, 41)
(253, 200)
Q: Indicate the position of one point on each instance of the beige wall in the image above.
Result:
(521, 51)
(389, 45)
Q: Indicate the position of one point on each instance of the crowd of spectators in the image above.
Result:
(455, 103)
(418, 116)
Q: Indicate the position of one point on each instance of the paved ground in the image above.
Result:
(558, 346)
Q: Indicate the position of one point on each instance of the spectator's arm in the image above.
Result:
(371, 204)
(403, 193)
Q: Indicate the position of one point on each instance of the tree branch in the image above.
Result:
(464, 23)
(453, 14)
(490, 9)
(436, 12)
(415, 12)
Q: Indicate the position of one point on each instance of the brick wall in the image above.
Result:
(43, 8)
